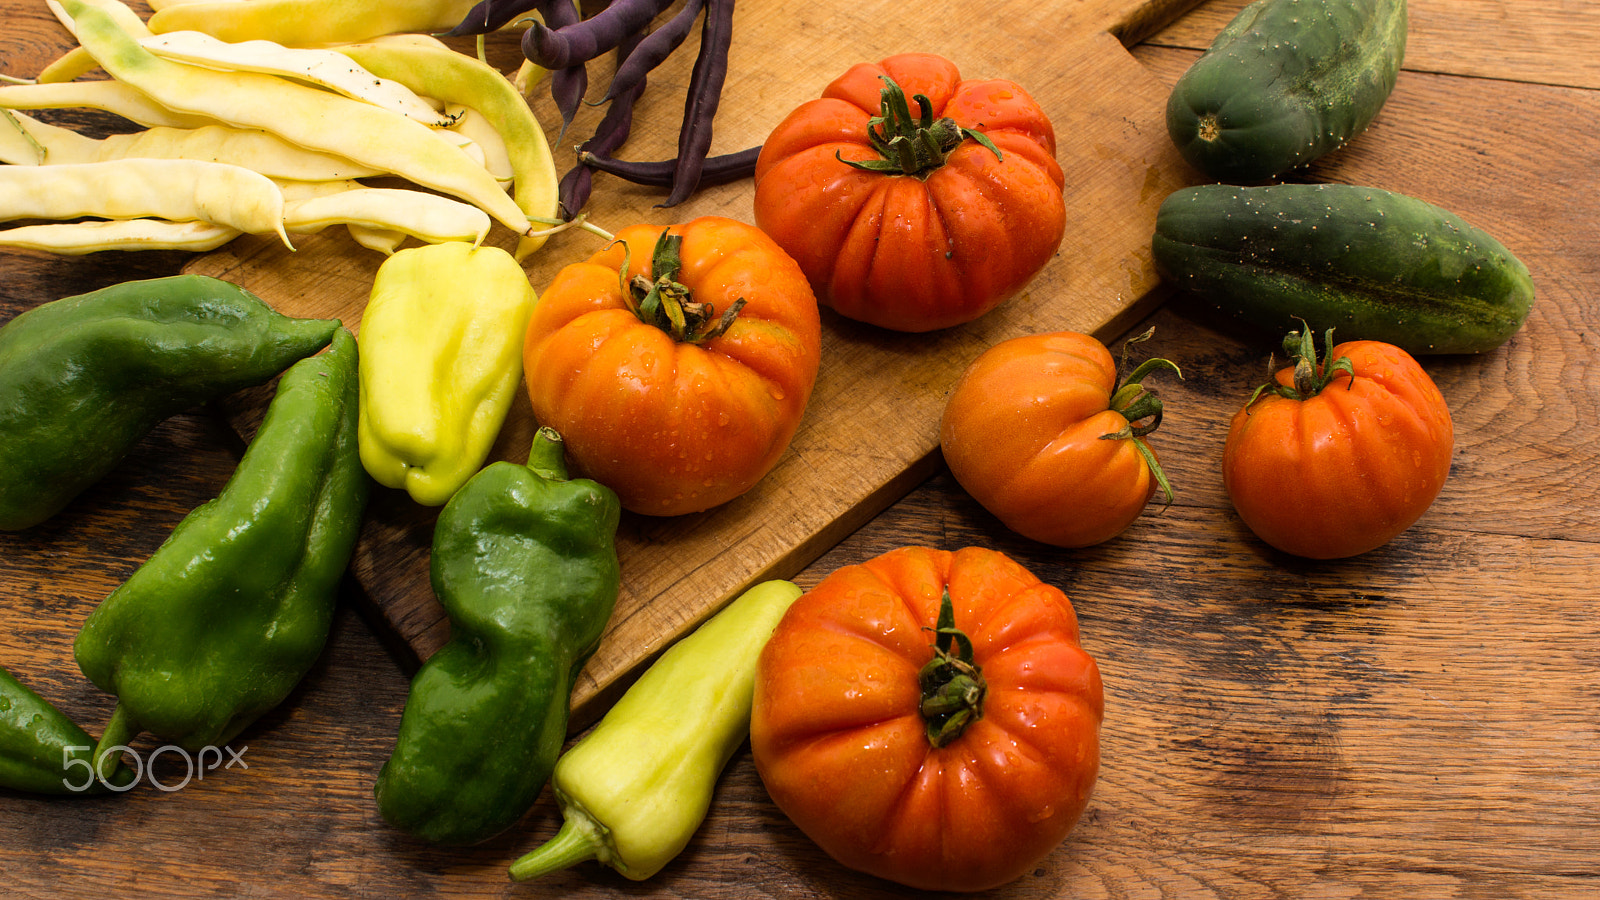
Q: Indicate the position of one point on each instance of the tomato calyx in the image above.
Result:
(1138, 404)
(1311, 376)
(668, 304)
(952, 684)
(912, 146)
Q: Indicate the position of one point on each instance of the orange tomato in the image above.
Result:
(676, 414)
(908, 755)
(1039, 431)
(1330, 462)
(936, 238)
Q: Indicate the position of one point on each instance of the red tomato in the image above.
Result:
(914, 249)
(1027, 431)
(961, 783)
(674, 414)
(1327, 464)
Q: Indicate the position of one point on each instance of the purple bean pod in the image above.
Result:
(560, 46)
(659, 173)
(611, 133)
(700, 108)
(492, 15)
(569, 84)
(654, 49)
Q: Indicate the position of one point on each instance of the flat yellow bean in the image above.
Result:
(180, 190)
(323, 68)
(303, 115)
(427, 217)
(472, 125)
(78, 238)
(108, 96)
(456, 78)
(383, 240)
(69, 66)
(311, 23)
(257, 151)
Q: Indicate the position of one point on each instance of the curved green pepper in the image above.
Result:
(441, 361)
(84, 378)
(636, 787)
(525, 564)
(228, 614)
(42, 750)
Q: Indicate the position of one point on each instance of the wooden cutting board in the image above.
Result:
(870, 433)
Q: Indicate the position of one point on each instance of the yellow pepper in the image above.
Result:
(441, 359)
(634, 790)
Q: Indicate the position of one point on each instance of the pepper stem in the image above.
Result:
(548, 455)
(952, 684)
(576, 842)
(908, 145)
(119, 731)
(1137, 404)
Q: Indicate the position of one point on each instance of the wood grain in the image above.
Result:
(1418, 722)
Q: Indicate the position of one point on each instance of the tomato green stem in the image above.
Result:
(952, 684)
(908, 145)
(669, 305)
(1141, 408)
(1311, 375)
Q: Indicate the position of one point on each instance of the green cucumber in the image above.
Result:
(1285, 82)
(1374, 264)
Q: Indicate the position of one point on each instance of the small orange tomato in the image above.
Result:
(929, 717)
(1338, 456)
(676, 363)
(1039, 431)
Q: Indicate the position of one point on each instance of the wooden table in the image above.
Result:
(1420, 721)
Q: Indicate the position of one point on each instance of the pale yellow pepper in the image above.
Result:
(441, 361)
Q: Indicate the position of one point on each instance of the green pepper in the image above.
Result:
(225, 618)
(441, 361)
(636, 787)
(40, 747)
(525, 564)
(84, 378)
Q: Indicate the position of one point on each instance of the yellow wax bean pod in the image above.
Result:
(428, 217)
(303, 115)
(79, 238)
(471, 124)
(107, 96)
(181, 190)
(19, 145)
(69, 66)
(121, 13)
(383, 240)
(323, 68)
(456, 78)
(295, 191)
(257, 151)
(311, 23)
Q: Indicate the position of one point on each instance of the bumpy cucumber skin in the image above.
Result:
(1372, 264)
(1286, 82)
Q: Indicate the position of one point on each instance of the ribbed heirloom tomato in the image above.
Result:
(929, 717)
(1040, 431)
(920, 219)
(676, 363)
(1338, 456)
